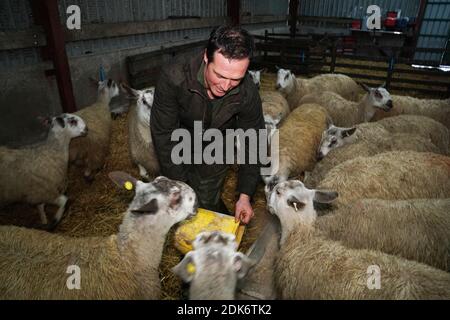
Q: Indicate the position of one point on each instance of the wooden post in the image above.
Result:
(233, 10)
(293, 15)
(333, 57)
(419, 21)
(47, 14)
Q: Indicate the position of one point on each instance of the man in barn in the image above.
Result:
(213, 89)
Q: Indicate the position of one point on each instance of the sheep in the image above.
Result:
(398, 175)
(256, 77)
(416, 229)
(90, 151)
(311, 266)
(366, 148)
(346, 113)
(275, 108)
(295, 89)
(299, 138)
(121, 266)
(335, 137)
(142, 151)
(38, 174)
(214, 267)
(341, 144)
(436, 109)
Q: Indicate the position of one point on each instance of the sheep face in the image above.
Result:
(144, 103)
(70, 123)
(285, 80)
(272, 122)
(171, 198)
(256, 77)
(213, 267)
(334, 137)
(293, 198)
(108, 87)
(379, 98)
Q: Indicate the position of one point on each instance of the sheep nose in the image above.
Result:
(319, 156)
(389, 104)
(278, 87)
(84, 132)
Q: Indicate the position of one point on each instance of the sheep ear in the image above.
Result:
(46, 121)
(174, 197)
(364, 86)
(384, 85)
(94, 81)
(186, 268)
(295, 203)
(348, 132)
(149, 208)
(60, 121)
(322, 196)
(132, 92)
(123, 180)
(242, 264)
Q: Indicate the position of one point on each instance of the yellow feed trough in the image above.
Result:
(205, 220)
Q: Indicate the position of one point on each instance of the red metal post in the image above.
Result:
(233, 10)
(47, 14)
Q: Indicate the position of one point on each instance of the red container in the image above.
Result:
(356, 24)
(392, 14)
(390, 22)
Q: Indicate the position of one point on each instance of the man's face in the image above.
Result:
(222, 75)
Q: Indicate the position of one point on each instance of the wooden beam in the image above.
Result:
(35, 37)
(262, 19)
(110, 30)
(22, 39)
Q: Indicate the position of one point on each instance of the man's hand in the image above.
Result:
(244, 210)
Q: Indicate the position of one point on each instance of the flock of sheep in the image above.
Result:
(386, 185)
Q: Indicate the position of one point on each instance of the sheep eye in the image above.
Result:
(73, 122)
(286, 77)
(378, 95)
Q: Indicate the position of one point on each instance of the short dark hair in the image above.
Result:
(231, 41)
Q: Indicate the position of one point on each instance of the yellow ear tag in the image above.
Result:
(128, 185)
(190, 268)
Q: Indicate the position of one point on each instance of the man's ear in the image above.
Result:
(205, 57)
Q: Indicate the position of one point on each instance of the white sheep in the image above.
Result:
(341, 144)
(311, 266)
(256, 76)
(397, 175)
(346, 113)
(416, 229)
(90, 151)
(142, 151)
(214, 267)
(335, 137)
(122, 266)
(295, 89)
(436, 109)
(275, 108)
(299, 138)
(38, 174)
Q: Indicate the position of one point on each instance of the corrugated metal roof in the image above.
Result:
(265, 7)
(15, 15)
(356, 8)
(435, 30)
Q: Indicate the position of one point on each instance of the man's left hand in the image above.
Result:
(244, 211)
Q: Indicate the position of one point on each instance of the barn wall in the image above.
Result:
(22, 70)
